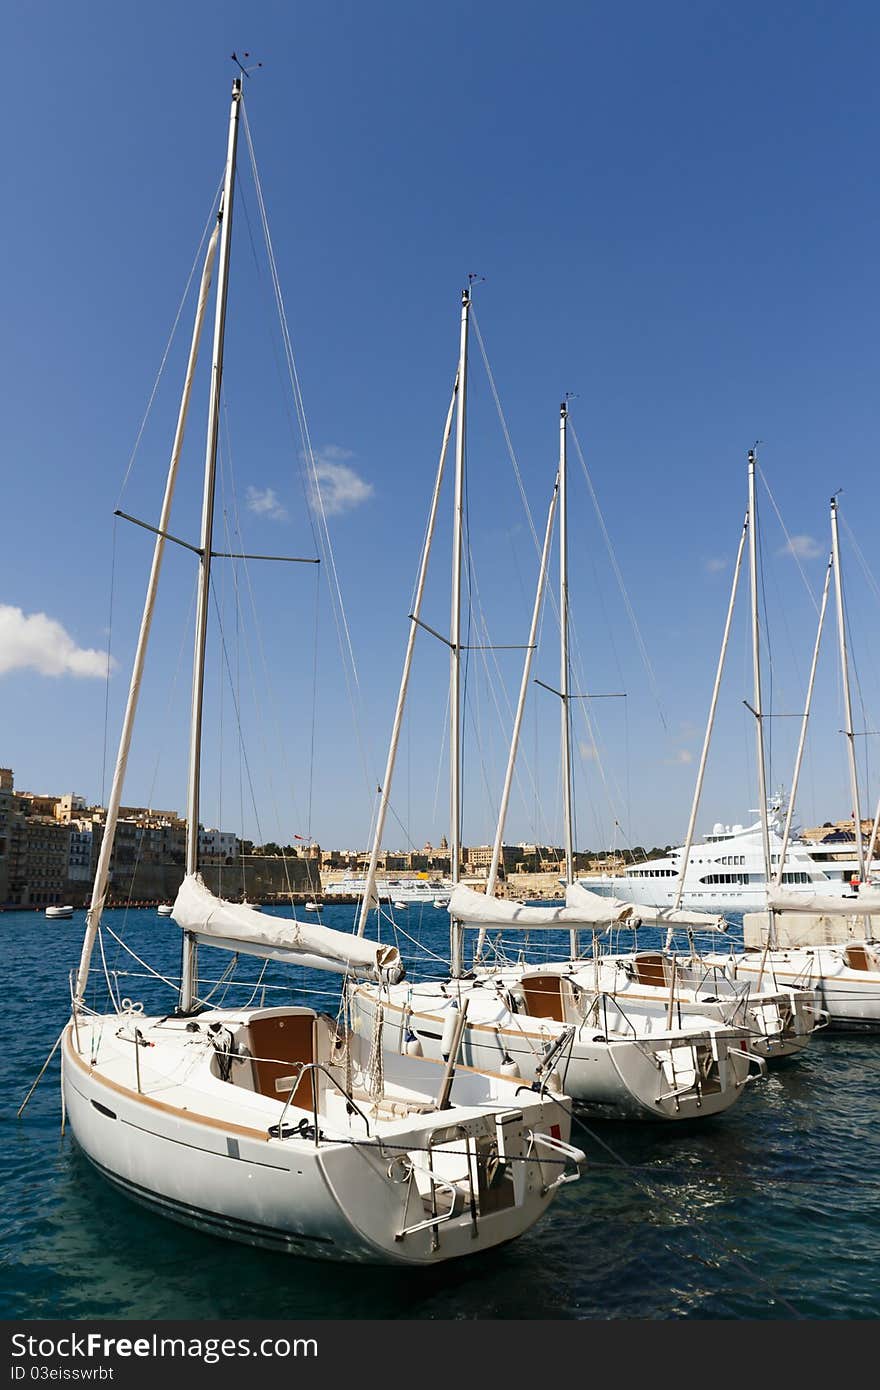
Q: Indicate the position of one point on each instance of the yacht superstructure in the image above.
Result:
(725, 873)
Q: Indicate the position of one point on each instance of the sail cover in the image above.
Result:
(679, 917)
(479, 911)
(577, 896)
(594, 907)
(826, 904)
(239, 928)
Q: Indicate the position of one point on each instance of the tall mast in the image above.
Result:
(707, 737)
(802, 740)
(455, 624)
(492, 880)
(564, 662)
(370, 898)
(847, 701)
(563, 643)
(187, 972)
(758, 710)
(521, 702)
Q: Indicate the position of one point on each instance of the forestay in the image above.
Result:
(236, 927)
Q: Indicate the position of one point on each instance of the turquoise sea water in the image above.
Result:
(769, 1211)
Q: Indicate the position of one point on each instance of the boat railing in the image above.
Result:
(566, 1151)
(436, 1218)
(289, 1083)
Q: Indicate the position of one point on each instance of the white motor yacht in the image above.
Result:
(725, 871)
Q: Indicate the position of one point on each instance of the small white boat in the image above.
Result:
(394, 890)
(54, 913)
(400, 906)
(312, 907)
(165, 909)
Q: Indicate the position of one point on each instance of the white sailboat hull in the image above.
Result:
(780, 1022)
(674, 1075)
(198, 1149)
(850, 996)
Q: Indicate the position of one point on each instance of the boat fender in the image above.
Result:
(449, 1028)
(509, 1066)
(413, 1044)
(223, 1043)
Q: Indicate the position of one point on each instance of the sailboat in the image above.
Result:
(821, 939)
(275, 1126)
(781, 1017)
(538, 1022)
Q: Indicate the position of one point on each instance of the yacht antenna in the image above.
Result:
(245, 72)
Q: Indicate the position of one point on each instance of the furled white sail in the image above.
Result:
(826, 904)
(594, 907)
(239, 928)
(678, 917)
(477, 910)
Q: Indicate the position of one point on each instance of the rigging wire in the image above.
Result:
(652, 1189)
(325, 543)
(257, 626)
(792, 549)
(640, 642)
(225, 650)
(577, 660)
(212, 217)
(166, 725)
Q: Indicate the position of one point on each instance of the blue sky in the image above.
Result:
(675, 213)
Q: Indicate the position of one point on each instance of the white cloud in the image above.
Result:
(715, 564)
(682, 755)
(339, 487)
(803, 548)
(588, 752)
(37, 642)
(264, 502)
